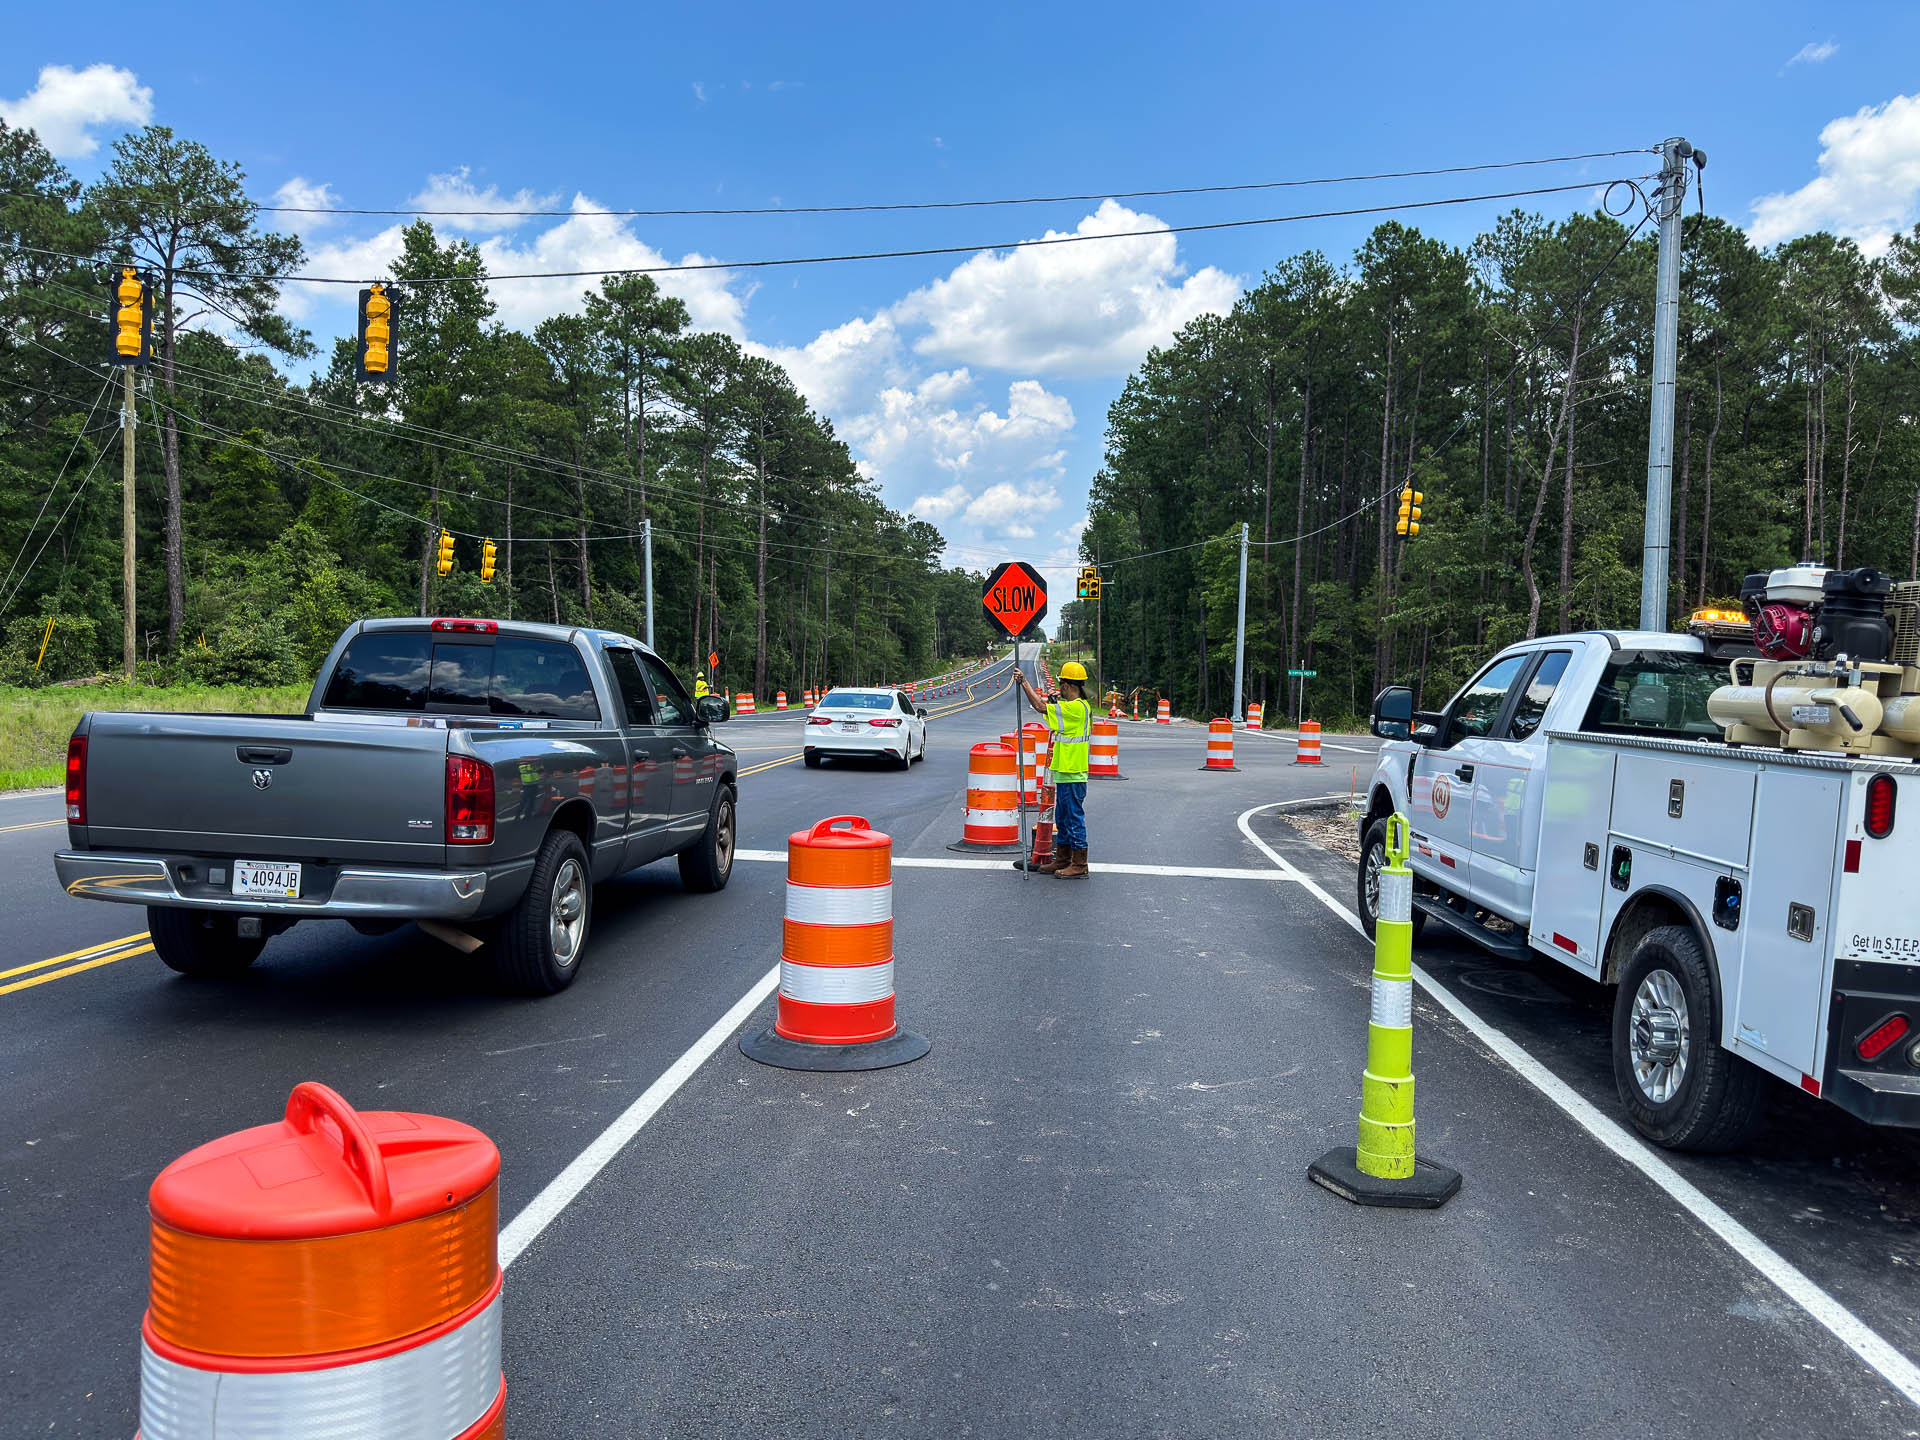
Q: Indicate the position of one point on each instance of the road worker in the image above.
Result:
(1070, 720)
(700, 687)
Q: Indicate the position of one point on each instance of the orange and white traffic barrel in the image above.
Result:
(335, 1273)
(1309, 752)
(1253, 716)
(1103, 755)
(1040, 743)
(835, 1007)
(779, 699)
(993, 800)
(1136, 707)
(1165, 717)
(1219, 745)
(743, 705)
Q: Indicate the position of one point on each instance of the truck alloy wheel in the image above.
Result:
(1679, 1087)
(1373, 859)
(567, 912)
(1660, 1038)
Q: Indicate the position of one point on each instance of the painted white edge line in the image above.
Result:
(1853, 1332)
(565, 1187)
(1186, 872)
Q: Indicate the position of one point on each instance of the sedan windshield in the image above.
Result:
(854, 700)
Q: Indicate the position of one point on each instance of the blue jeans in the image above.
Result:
(1070, 813)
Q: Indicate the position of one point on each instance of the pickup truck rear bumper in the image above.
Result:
(357, 892)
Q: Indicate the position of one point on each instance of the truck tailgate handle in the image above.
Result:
(264, 754)
(1463, 772)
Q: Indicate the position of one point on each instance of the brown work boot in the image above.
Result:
(1056, 862)
(1075, 867)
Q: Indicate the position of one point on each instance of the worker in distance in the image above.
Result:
(1070, 719)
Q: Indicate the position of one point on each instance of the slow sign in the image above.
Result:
(1015, 599)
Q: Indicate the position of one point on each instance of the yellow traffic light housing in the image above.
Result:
(445, 563)
(130, 308)
(487, 553)
(374, 353)
(1408, 523)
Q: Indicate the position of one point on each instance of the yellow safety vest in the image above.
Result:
(700, 689)
(1071, 722)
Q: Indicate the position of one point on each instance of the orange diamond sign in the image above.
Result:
(1015, 598)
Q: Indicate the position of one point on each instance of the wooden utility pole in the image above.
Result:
(126, 515)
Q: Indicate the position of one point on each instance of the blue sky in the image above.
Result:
(974, 388)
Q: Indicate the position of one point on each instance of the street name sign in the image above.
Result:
(1015, 599)
(1309, 674)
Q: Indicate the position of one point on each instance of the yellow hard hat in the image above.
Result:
(1075, 671)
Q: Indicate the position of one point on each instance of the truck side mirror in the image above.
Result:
(1393, 713)
(711, 709)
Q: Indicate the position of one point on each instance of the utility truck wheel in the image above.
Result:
(541, 939)
(1373, 859)
(201, 943)
(1680, 1088)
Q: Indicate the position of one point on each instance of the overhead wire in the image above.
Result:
(902, 254)
(46, 499)
(506, 212)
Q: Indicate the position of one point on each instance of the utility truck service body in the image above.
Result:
(1755, 906)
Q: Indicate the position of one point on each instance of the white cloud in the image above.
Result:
(367, 258)
(699, 92)
(1813, 52)
(1868, 183)
(948, 503)
(591, 239)
(843, 368)
(454, 191)
(66, 104)
(301, 194)
(1009, 505)
(1077, 309)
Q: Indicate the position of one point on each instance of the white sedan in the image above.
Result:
(876, 722)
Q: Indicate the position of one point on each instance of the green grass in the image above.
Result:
(35, 724)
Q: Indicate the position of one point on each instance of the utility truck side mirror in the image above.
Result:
(712, 709)
(1393, 713)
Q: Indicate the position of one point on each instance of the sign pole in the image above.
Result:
(1020, 764)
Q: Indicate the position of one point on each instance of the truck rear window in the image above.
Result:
(514, 677)
(1661, 693)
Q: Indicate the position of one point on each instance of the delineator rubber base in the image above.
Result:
(770, 1048)
(1429, 1187)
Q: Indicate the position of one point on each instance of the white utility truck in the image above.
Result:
(1709, 821)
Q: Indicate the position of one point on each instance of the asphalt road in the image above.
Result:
(1086, 1212)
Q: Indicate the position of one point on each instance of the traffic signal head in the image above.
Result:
(130, 307)
(445, 563)
(1409, 522)
(373, 355)
(487, 553)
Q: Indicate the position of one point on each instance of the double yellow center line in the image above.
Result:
(75, 961)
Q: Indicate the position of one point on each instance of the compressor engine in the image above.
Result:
(1840, 667)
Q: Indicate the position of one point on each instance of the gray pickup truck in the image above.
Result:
(477, 777)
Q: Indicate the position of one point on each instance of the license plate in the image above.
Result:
(276, 881)
(849, 727)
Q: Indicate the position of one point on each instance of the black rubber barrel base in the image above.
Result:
(770, 1048)
(1429, 1187)
(969, 847)
(1220, 769)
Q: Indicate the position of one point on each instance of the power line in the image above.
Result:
(923, 251)
(871, 209)
(46, 499)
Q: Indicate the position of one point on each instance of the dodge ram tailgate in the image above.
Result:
(258, 787)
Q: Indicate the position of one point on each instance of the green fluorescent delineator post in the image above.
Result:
(1382, 1168)
(1386, 1090)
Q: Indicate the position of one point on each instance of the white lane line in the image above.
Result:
(1287, 737)
(565, 1187)
(907, 862)
(1849, 1329)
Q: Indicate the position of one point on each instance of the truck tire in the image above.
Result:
(540, 941)
(1373, 858)
(1680, 1088)
(708, 864)
(201, 943)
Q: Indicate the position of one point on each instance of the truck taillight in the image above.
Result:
(77, 780)
(469, 801)
(467, 627)
(1877, 1041)
(1880, 797)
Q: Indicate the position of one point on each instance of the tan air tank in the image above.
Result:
(1810, 711)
